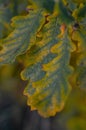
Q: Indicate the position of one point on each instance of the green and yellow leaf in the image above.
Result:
(48, 71)
(23, 36)
(80, 69)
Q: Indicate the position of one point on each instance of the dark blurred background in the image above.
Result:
(16, 115)
(14, 112)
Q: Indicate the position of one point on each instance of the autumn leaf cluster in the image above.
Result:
(49, 38)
